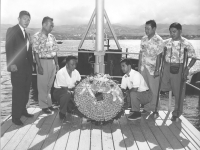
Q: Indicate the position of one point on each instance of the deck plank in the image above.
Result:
(10, 132)
(84, 143)
(8, 123)
(63, 136)
(32, 132)
(177, 132)
(74, 135)
(43, 132)
(127, 134)
(49, 132)
(19, 135)
(118, 138)
(193, 130)
(138, 135)
(107, 140)
(151, 140)
(160, 137)
(174, 142)
(96, 137)
(53, 134)
(190, 136)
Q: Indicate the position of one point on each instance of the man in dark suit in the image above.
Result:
(19, 63)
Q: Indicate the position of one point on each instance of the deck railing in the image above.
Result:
(108, 52)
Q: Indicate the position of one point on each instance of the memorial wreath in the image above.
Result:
(99, 99)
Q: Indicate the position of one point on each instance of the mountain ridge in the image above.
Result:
(64, 32)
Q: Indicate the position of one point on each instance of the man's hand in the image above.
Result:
(40, 70)
(156, 73)
(186, 72)
(57, 68)
(13, 68)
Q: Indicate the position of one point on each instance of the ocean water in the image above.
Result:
(130, 45)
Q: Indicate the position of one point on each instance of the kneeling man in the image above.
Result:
(138, 92)
(66, 79)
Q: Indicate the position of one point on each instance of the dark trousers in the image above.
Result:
(21, 82)
(64, 97)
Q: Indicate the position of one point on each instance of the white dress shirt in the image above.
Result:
(64, 80)
(134, 80)
(24, 36)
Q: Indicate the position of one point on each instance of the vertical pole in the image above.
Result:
(127, 52)
(112, 30)
(170, 101)
(99, 44)
(88, 27)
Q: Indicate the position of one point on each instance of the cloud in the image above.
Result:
(130, 12)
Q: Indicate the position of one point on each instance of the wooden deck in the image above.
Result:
(50, 133)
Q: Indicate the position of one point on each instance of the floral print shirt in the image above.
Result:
(150, 49)
(175, 50)
(45, 46)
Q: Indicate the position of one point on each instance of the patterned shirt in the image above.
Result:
(175, 50)
(45, 46)
(150, 49)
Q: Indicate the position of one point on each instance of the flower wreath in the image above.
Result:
(99, 99)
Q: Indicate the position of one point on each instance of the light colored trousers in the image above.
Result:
(172, 82)
(45, 82)
(153, 84)
(138, 98)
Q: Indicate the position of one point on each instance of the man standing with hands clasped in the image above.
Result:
(45, 48)
(19, 63)
(149, 61)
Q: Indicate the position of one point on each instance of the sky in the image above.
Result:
(124, 12)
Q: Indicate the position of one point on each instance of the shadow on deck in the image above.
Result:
(74, 133)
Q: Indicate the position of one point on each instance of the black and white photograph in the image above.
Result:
(100, 74)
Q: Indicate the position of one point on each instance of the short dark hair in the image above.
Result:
(24, 12)
(70, 57)
(45, 19)
(152, 23)
(175, 25)
(126, 61)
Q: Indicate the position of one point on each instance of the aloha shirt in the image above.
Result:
(45, 46)
(176, 50)
(150, 49)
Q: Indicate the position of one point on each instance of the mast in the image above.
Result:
(99, 66)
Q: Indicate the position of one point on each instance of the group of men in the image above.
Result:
(142, 84)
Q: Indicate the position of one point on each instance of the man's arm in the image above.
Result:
(139, 62)
(133, 90)
(158, 60)
(56, 62)
(37, 59)
(186, 71)
(10, 52)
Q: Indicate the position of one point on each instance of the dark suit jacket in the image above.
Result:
(16, 49)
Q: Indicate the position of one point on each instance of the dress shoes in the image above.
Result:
(52, 108)
(28, 115)
(174, 118)
(46, 110)
(18, 122)
(62, 116)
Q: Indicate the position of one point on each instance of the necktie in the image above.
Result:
(25, 34)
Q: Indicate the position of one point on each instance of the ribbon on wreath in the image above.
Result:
(115, 93)
(87, 87)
